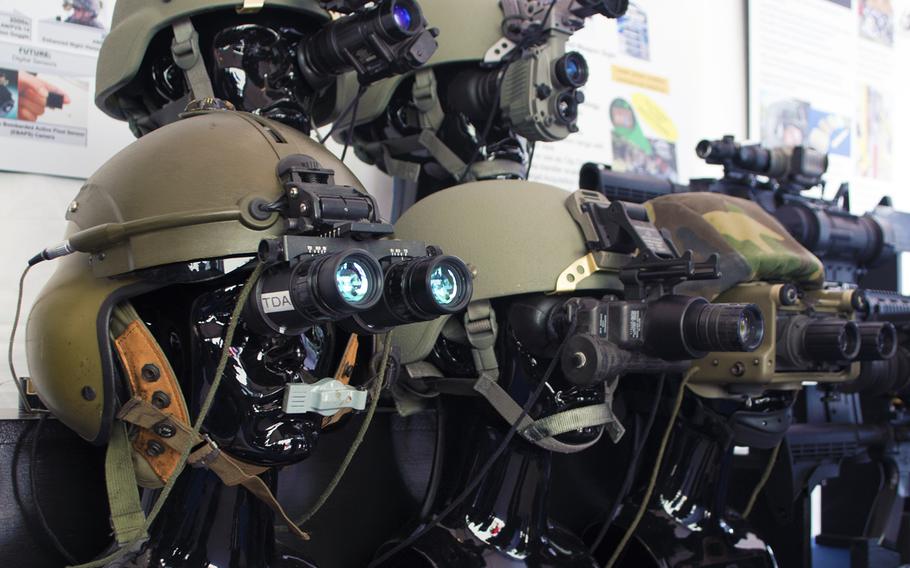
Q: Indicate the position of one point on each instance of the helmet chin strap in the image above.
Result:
(425, 96)
(481, 330)
(188, 56)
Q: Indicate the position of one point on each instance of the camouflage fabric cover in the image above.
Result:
(752, 245)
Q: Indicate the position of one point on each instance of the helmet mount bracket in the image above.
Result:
(624, 228)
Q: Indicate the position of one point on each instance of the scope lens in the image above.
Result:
(725, 327)
(403, 17)
(572, 69)
(293, 296)
(832, 340)
(421, 289)
(436, 285)
(352, 281)
(878, 340)
(444, 284)
(750, 327)
(567, 108)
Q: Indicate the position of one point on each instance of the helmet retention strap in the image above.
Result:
(127, 516)
(188, 56)
(206, 456)
(481, 331)
(204, 453)
(425, 95)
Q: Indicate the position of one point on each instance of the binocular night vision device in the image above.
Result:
(335, 263)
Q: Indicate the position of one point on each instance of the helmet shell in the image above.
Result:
(517, 236)
(750, 243)
(136, 22)
(213, 161)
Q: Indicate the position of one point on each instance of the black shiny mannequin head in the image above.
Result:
(521, 370)
(473, 128)
(246, 420)
(251, 61)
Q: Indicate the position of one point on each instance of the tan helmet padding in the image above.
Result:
(138, 349)
(211, 161)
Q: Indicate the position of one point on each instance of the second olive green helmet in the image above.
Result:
(517, 236)
(472, 31)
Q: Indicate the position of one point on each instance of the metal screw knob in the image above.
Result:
(150, 372)
(165, 429)
(154, 448)
(160, 399)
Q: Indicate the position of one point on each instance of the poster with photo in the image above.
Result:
(48, 120)
(830, 73)
(788, 121)
(802, 59)
(874, 134)
(630, 118)
(643, 137)
(876, 20)
(823, 73)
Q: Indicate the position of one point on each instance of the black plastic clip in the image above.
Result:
(314, 203)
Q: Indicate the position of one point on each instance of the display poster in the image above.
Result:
(630, 117)
(828, 74)
(48, 120)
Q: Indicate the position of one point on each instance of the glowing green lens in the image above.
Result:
(353, 281)
(444, 285)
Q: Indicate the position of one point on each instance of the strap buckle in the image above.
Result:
(185, 47)
(426, 100)
(480, 325)
(481, 329)
(251, 6)
(206, 455)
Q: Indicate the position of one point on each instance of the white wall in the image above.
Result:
(31, 217)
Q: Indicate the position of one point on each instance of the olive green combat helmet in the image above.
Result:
(501, 78)
(139, 317)
(544, 251)
(518, 237)
(178, 195)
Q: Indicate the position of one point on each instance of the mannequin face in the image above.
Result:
(251, 62)
(253, 66)
(246, 419)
